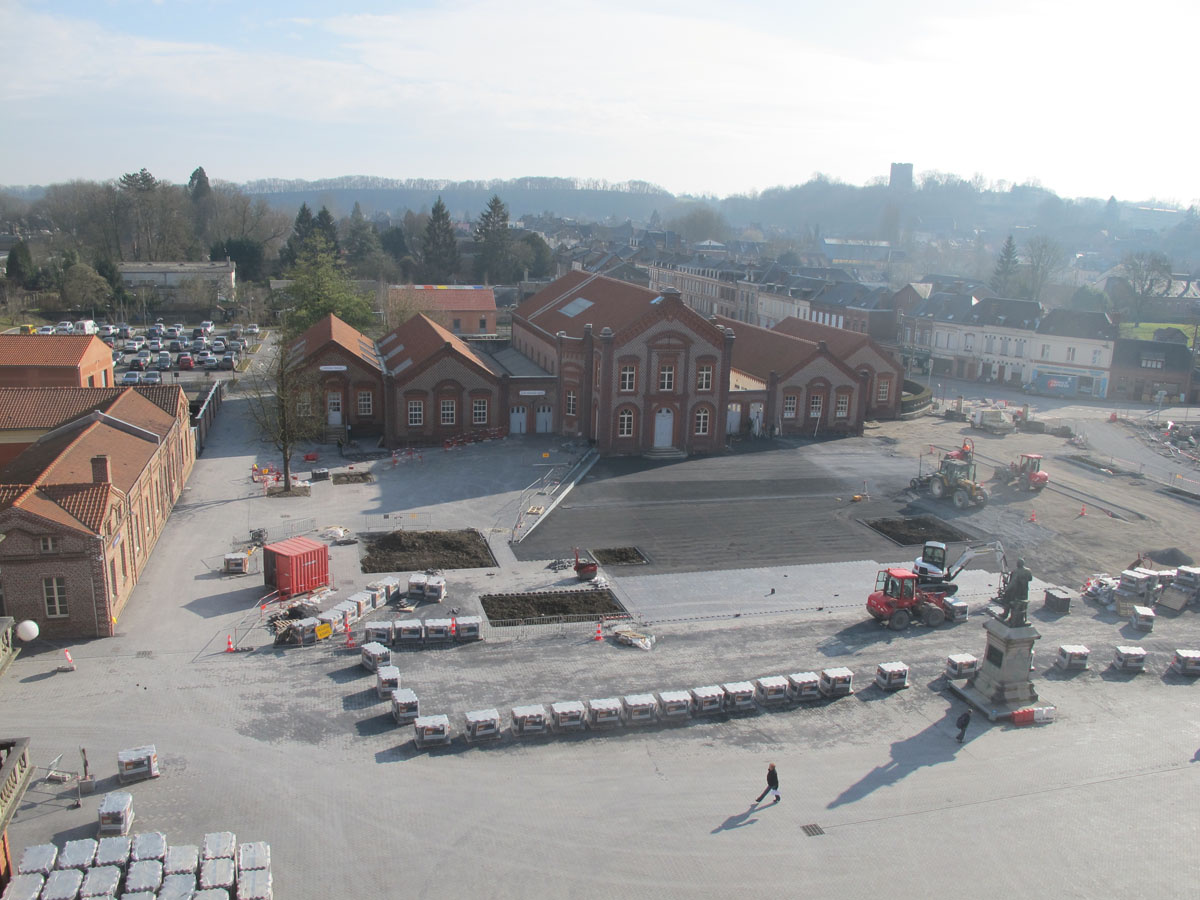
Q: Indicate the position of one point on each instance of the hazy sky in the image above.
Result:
(1090, 99)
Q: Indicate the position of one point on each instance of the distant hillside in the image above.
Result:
(566, 197)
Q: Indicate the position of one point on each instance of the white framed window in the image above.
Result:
(1096, 354)
(883, 391)
(449, 408)
(54, 592)
(304, 405)
(814, 406)
(48, 544)
(969, 342)
(666, 378)
(479, 408)
(789, 406)
(1045, 351)
(1070, 354)
(704, 378)
(625, 423)
(842, 409)
(1020, 351)
(628, 379)
(366, 403)
(571, 403)
(416, 413)
(702, 419)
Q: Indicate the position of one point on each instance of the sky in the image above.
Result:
(700, 97)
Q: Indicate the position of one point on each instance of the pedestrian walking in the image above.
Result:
(962, 722)
(772, 784)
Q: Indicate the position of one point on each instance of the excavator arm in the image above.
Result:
(974, 552)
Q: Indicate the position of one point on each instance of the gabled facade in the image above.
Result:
(460, 309)
(347, 374)
(55, 360)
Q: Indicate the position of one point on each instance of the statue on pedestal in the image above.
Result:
(1015, 597)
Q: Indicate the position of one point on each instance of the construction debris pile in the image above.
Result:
(144, 866)
(1173, 589)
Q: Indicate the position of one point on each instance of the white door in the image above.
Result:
(333, 408)
(545, 418)
(664, 428)
(516, 420)
(733, 418)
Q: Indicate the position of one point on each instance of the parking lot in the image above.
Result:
(292, 747)
(179, 353)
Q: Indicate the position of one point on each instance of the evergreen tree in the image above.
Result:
(541, 256)
(320, 286)
(248, 254)
(439, 249)
(1004, 277)
(198, 188)
(302, 230)
(362, 240)
(21, 270)
(494, 262)
(393, 243)
(325, 225)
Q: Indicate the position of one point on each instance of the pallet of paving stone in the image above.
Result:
(114, 851)
(79, 854)
(144, 875)
(101, 883)
(254, 884)
(219, 845)
(38, 860)
(182, 859)
(148, 845)
(253, 855)
(63, 885)
(217, 873)
(25, 887)
(177, 887)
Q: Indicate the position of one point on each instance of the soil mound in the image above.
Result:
(1172, 556)
(416, 551)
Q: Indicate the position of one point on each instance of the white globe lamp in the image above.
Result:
(28, 630)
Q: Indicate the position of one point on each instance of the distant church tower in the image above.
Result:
(901, 179)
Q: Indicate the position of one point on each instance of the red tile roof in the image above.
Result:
(332, 330)
(840, 341)
(47, 350)
(760, 351)
(580, 298)
(420, 338)
(80, 507)
(444, 297)
(50, 407)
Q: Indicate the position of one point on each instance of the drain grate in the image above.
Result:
(812, 830)
(145, 654)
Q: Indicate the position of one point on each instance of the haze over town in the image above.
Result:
(705, 98)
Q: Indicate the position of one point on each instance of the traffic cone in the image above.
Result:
(70, 662)
(229, 643)
(1083, 511)
(453, 627)
(1033, 516)
(599, 635)
(350, 644)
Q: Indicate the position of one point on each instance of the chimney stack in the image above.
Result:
(101, 470)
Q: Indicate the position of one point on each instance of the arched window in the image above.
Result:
(702, 420)
(625, 423)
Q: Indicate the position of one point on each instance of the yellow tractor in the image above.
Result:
(955, 480)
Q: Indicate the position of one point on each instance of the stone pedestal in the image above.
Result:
(1003, 683)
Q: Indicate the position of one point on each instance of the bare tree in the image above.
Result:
(1148, 274)
(283, 403)
(1046, 259)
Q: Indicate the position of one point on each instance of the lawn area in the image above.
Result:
(1145, 331)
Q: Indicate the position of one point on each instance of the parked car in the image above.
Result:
(46, 329)
(252, 328)
(106, 331)
(218, 345)
(201, 356)
(199, 344)
(235, 331)
(137, 363)
(154, 345)
(171, 332)
(152, 378)
(207, 326)
(134, 344)
(110, 341)
(64, 328)
(235, 344)
(164, 362)
(176, 345)
(131, 378)
(154, 331)
(179, 326)
(213, 362)
(229, 361)
(186, 363)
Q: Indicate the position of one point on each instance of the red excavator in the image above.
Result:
(898, 599)
(1027, 474)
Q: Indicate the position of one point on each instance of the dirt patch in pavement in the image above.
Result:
(916, 530)
(548, 605)
(415, 551)
(620, 556)
(351, 478)
(298, 490)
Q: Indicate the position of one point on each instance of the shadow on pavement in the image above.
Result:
(929, 747)
(738, 820)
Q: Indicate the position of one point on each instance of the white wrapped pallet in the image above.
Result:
(640, 709)
(38, 860)
(430, 731)
(182, 859)
(378, 632)
(101, 883)
(804, 685)
(416, 585)
(138, 762)
(25, 887)
(772, 689)
(180, 886)
(375, 655)
(405, 706)
(568, 715)
(676, 706)
(63, 885)
(254, 884)
(387, 679)
(468, 628)
(113, 851)
(527, 720)
(77, 855)
(435, 588)
(144, 875)
(217, 873)
(148, 845)
(407, 631)
(253, 855)
(482, 725)
(219, 845)
(604, 712)
(116, 813)
(707, 699)
(437, 631)
(739, 696)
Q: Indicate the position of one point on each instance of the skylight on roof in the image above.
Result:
(575, 307)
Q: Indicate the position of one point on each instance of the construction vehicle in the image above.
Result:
(966, 452)
(993, 421)
(1027, 474)
(932, 568)
(585, 569)
(955, 479)
(899, 598)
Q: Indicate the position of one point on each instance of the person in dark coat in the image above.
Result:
(772, 784)
(962, 722)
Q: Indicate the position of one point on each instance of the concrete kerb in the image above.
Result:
(576, 474)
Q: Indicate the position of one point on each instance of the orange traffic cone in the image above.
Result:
(1083, 511)
(1033, 516)
(350, 644)
(599, 634)
(70, 666)
(229, 643)
(453, 627)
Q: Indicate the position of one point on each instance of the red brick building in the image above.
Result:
(55, 360)
(82, 506)
(637, 370)
(348, 372)
(459, 308)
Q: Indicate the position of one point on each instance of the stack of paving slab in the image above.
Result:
(1182, 590)
(144, 867)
